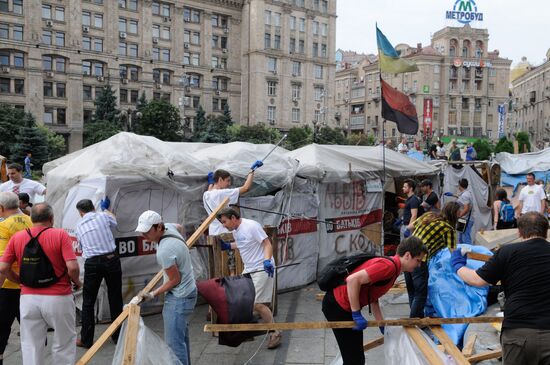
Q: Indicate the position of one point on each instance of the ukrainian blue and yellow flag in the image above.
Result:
(389, 59)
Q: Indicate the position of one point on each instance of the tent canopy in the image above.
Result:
(524, 162)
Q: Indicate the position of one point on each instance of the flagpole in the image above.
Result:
(383, 179)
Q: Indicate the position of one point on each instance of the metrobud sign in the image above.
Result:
(464, 11)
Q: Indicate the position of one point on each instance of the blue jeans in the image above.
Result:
(417, 289)
(466, 237)
(176, 314)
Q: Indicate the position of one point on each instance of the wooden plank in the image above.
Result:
(468, 349)
(494, 354)
(395, 290)
(449, 345)
(478, 256)
(103, 338)
(373, 343)
(344, 324)
(130, 340)
(428, 351)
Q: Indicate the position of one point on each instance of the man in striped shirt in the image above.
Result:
(102, 262)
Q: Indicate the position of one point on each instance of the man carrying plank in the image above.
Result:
(344, 302)
(179, 282)
(523, 268)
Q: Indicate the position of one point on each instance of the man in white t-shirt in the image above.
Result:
(218, 189)
(17, 184)
(257, 254)
(532, 197)
(403, 147)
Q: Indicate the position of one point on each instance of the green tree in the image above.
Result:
(504, 145)
(98, 131)
(361, 139)
(258, 134)
(199, 124)
(106, 121)
(298, 137)
(327, 135)
(227, 115)
(142, 102)
(162, 120)
(523, 142)
(483, 149)
(56, 143)
(215, 131)
(30, 139)
(10, 122)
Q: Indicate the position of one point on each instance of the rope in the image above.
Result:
(257, 350)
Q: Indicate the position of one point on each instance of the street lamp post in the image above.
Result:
(315, 129)
(129, 116)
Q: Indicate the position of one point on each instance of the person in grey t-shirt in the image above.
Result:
(466, 201)
(179, 283)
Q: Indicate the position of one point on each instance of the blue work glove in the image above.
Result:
(382, 328)
(256, 164)
(457, 260)
(360, 321)
(105, 203)
(210, 178)
(407, 233)
(448, 194)
(268, 268)
(225, 245)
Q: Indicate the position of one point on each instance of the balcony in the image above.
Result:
(357, 122)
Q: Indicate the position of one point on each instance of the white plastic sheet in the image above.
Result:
(399, 349)
(150, 349)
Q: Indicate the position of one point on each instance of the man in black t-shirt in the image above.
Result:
(524, 269)
(430, 200)
(410, 212)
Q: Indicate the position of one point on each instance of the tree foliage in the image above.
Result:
(215, 130)
(361, 139)
(10, 122)
(504, 145)
(30, 139)
(258, 133)
(56, 143)
(106, 120)
(523, 142)
(327, 135)
(298, 137)
(199, 125)
(483, 149)
(160, 119)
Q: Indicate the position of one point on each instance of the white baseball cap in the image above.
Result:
(147, 219)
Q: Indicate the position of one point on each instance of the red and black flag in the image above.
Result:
(397, 107)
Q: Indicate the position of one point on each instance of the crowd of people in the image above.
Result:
(437, 150)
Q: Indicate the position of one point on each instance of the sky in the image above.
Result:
(516, 28)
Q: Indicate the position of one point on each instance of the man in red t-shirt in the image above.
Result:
(52, 306)
(344, 302)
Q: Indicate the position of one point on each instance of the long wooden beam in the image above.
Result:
(122, 316)
(373, 343)
(237, 327)
(478, 256)
(449, 345)
(423, 345)
(494, 354)
(130, 339)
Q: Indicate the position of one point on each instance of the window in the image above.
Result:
(48, 89)
(271, 114)
(18, 59)
(61, 116)
(134, 96)
(272, 64)
(48, 115)
(196, 100)
(223, 42)
(277, 19)
(60, 90)
(17, 32)
(46, 37)
(315, 49)
(4, 6)
(191, 15)
(60, 39)
(98, 20)
(87, 115)
(86, 43)
(292, 22)
(98, 45)
(195, 59)
(324, 29)
(122, 48)
(267, 17)
(267, 40)
(324, 50)
(156, 53)
(315, 27)
(302, 24)
(436, 85)
(60, 64)
(492, 72)
(4, 31)
(301, 46)
(128, 4)
(86, 18)
(165, 10)
(87, 92)
(194, 81)
(318, 71)
(123, 95)
(161, 76)
(437, 69)
(156, 31)
(272, 88)
(196, 38)
(215, 104)
(17, 6)
(319, 92)
(155, 7)
(295, 115)
(60, 13)
(187, 58)
(296, 91)
(324, 6)
(277, 42)
(165, 34)
(46, 11)
(292, 45)
(92, 68)
(19, 86)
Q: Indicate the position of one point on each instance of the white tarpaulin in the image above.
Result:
(524, 162)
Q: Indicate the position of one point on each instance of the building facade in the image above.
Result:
(56, 56)
(462, 80)
(530, 107)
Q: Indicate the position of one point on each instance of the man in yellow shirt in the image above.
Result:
(14, 221)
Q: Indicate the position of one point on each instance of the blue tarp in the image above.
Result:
(449, 296)
(515, 180)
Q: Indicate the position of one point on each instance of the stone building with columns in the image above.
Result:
(271, 61)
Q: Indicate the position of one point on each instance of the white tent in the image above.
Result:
(524, 162)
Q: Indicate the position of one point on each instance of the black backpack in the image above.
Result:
(336, 271)
(36, 269)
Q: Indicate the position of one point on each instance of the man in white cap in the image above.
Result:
(179, 283)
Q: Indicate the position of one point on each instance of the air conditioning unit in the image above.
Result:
(187, 89)
(158, 86)
(294, 74)
(50, 74)
(226, 30)
(187, 19)
(166, 19)
(217, 92)
(219, 66)
(49, 23)
(100, 78)
(85, 29)
(186, 101)
(274, 72)
(122, 35)
(5, 69)
(295, 98)
(272, 122)
(186, 45)
(155, 40)
(86, 73)
(124, 81)
(224, 50)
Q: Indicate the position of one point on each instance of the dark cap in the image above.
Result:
(24, 197)
(426, 182)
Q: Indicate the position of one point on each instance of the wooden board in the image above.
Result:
(424, 347)
(395, 290)
(130, 340)
(373, 343)
(494, 354)
(468, 348)
(344, 324)
(478, 256)
(449, 345)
